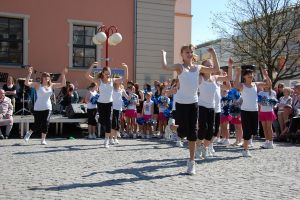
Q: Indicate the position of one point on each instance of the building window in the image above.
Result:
(11, 41)
(84, 50)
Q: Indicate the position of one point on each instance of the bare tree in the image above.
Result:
(265, 33)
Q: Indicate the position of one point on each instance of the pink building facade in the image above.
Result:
(51, 35)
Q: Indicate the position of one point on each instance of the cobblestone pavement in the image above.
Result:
(143, 169)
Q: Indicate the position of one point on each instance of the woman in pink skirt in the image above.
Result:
(267, 100)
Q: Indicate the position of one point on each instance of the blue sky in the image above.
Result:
(202, 11)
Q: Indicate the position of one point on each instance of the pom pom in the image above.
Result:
(125, 102)
(94, 99)
(233, 94)
(167, 113)
(140, 121)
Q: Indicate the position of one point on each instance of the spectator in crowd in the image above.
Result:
(283, 101)
(296, 98)
(280, 87)
(10, 90)
(6, 111)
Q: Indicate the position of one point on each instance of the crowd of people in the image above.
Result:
(202, 105)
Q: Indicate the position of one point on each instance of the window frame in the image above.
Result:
(98, 48)
(25, 38)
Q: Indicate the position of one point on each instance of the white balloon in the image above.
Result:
(101, 37)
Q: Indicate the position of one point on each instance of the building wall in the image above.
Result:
(154, 31)
(48, 32)
(183, 27)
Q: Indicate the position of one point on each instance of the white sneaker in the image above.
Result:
(211, 149)
(134, 136)
(216, 140)
(43, 142)
(205, 153)
(226, 142)
(191, 167)
(246, 153)
(90, 136)
(271, 145)
(94, 136)
(116, 141)
(199, 150)
(221, 141)
(106, 143)
(111, 141)
(250, 145)
(27, 135)
(265, 145)
(179, 143)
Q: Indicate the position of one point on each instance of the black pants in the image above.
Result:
(116, 119)
(206, 123)
(91, 116)
(104, 110)
(186, 118)
(41, 121)
(249, 123)
(217, 124)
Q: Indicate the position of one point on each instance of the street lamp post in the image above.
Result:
(110, 36)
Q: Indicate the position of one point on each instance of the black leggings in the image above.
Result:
(91, 116)
(217, 124)
(41, 121)
(104, 110)
(116, 119)
(249, 123)
(206, 123)
(186, 118)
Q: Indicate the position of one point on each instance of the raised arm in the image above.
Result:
(227, 77)
(89, 71)
(266, 77)
(165, 66)
(216, 67)
(125, 78)
(28, 82)
(63, 80)
(237, 83)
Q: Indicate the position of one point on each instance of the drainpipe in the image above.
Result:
(134, 40)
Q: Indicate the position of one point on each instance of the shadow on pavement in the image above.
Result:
(140, 174)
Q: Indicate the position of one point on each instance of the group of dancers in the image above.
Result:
(202, 100)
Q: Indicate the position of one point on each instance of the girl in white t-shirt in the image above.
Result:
(91, 99)
(266, 114)
(147, 112)
(118, 93)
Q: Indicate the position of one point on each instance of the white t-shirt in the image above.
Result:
(89, 104)
(43, 101)
(218, 98)
(249, 96)
(207, 92)
(106, 90)
(117, 99)
(148, 107)
(189, 81)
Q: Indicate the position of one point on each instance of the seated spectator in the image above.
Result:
(288, 111)
(296, 99)
(71, 96)
(10, 90)
(6, 111)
